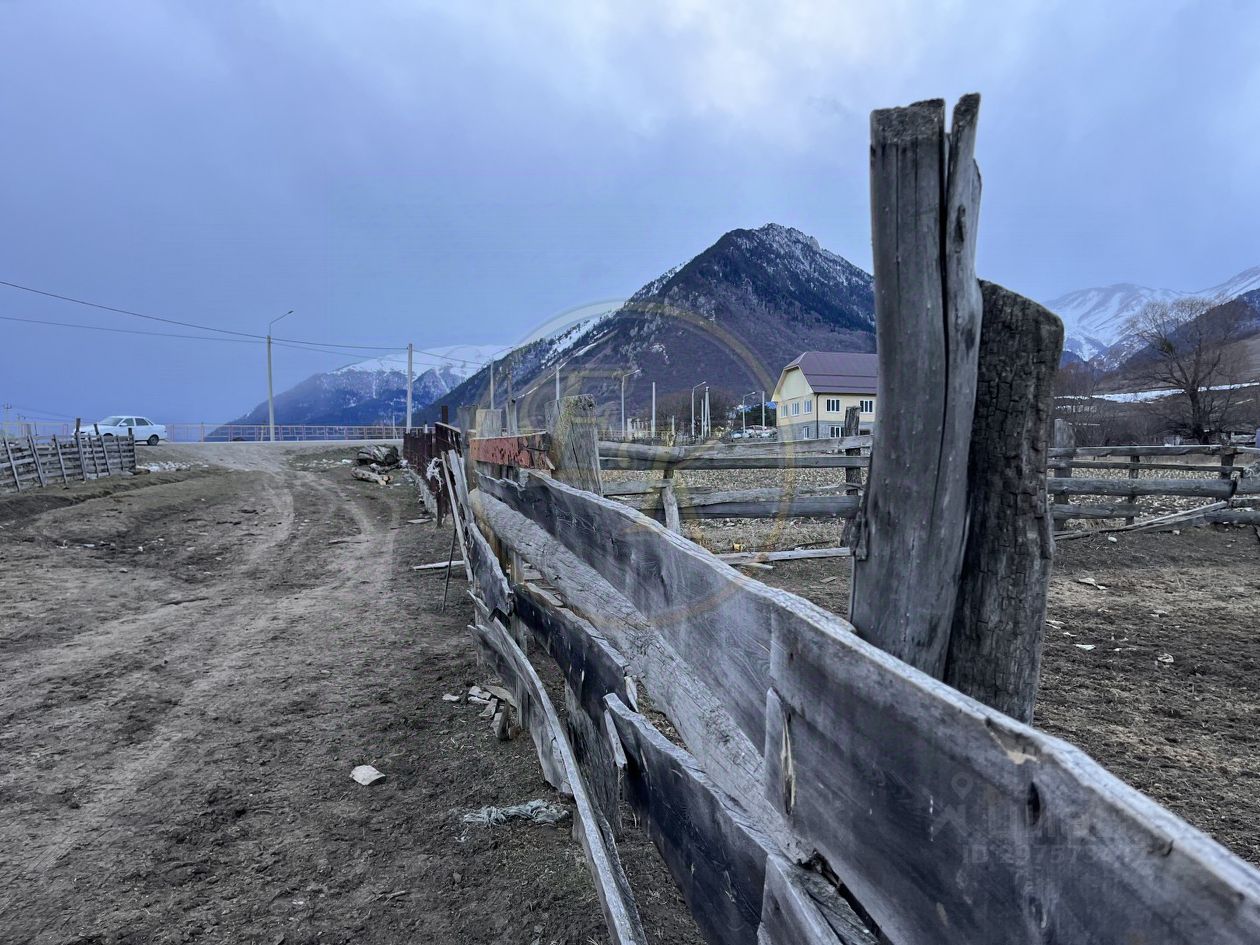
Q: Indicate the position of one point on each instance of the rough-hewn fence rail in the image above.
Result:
(33, 461)
(840, 781)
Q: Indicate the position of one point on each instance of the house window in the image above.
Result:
(807, 434)
(833, 404)
(809, 406)
(836, 431)
(866, 406)
(796, 407)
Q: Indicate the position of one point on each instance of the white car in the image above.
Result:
(146, 430)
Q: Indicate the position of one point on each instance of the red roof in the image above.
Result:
(838, 372)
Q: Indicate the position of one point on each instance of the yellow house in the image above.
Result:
(816, 389)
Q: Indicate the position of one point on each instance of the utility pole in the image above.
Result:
(4, 431)
(692, 429)
(744, 410)
(624, 375)
(763, 408)
(511, 401)
(653, 428)
(271, 400)
(557, 383)
(410, 352)
(492, 383)
(708, 418)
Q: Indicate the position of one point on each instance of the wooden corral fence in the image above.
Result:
(423, 448)
(825, 780)
(1228, 481)
(33, 461)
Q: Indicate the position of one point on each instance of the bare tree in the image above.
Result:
(1189, 349)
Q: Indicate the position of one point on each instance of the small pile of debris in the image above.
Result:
(373, 461)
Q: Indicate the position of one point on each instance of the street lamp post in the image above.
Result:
(271, 400)
(692, 428)
(624, 375)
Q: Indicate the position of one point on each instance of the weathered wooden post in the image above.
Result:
(925, 200)
(39, 467)
(17, 480)
(995, 642)
(574, 448)
(955, 538)
(61, 460)
(852, 427)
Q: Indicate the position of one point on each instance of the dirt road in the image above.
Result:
(190, 665)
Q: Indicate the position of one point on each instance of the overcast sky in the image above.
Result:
(460, 173)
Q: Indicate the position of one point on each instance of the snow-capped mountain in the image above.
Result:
(732, 316)
(1094, 320)
(375, 390)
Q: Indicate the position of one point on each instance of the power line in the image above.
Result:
(124, 311)
(128, 331)
(438, 361)
(224, 331)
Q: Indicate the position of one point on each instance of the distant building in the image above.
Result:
(816, 389)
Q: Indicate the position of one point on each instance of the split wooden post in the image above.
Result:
(909, 547)
(39, 467)
(574, 449)
(61, 460)
(995, 641)
(17, 480)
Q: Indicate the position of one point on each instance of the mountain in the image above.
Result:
(732, 316)
(1094, 320)
(374, 391)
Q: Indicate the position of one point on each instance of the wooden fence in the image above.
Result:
(1225, 479)
(841, 781)
(33, 461)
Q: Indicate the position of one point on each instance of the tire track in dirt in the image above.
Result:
(199, 787)
(132, 639)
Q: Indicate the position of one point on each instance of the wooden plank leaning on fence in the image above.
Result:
(621, 914)
(61, 460)
(913, 526)
(39, 467)
(8, 452)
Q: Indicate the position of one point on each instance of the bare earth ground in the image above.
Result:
(178, 723)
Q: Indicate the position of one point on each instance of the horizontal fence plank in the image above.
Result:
(649, 565)
(809, 454)
(1190, 449)
(750, 461)
(752, 503)
(953, 824)
(1069, 463)
(528, 451)
(1070, 510)
(697, 692)
(1204, 488)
